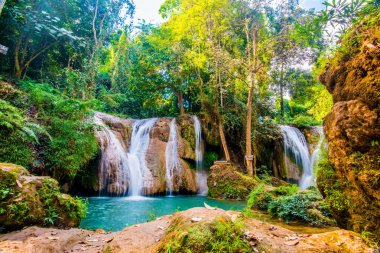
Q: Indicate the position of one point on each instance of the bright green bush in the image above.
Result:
(290, 204)
(300, 206)
(42, 129)
(304, 121)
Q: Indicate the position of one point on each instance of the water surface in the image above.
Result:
(114, 214)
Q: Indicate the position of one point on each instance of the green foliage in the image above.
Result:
(331, 187)
(152, 216)
(299, 206)
(209, 158)
(55, 133)
(304, 121)
(221, 235)
(259, 198)
(290, 204)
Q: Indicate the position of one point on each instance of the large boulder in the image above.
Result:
(350, 182)
(226, 182)
(34, 200)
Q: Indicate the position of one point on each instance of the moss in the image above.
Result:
(332, 189)
(225, 182)
(29, 200)
(219, 235)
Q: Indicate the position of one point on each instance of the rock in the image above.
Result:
(177, 229)
(226, 182)
(155, 180)
(196, 219)
(350, 182)
(32, 200)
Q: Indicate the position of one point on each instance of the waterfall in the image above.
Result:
(201, 172)
(120, 171)
(136, 155)
(173, 164)
(113, 168)
(309, 179)
(296, 150)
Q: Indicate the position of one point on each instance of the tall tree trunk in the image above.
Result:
(251, 36)
(223, 137)
(282, 95)
(282, 103)
(180, 102)
(248, 132)
(219, 115)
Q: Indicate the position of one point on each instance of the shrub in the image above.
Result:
(288, 203)
(46, 130)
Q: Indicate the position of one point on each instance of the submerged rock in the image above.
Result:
(178, 233)
(34, 200)
(350, 182)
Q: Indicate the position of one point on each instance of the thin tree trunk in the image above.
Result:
(223, 137)
(282, 95)
(251, 52)
(248, 136)
(282, 104)
(180, 102)
(219, 116)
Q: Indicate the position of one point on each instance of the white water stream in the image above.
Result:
(136, 155)
(120, 171)
(173, 164)
(201, 172)
(297, 151)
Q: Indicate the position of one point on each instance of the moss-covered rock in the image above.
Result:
(32, 200)
(226, 182)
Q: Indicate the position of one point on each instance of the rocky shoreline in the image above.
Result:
(156, 235)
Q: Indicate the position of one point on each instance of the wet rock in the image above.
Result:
(155, 180)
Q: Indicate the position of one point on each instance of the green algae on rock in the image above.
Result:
(35, 200)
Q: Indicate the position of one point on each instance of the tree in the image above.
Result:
(2, 2)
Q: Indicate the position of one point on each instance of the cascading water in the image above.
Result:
(309, 180)
(113, 168)
(136, 155)
(120, 171)
(201, 172)
(296, 150)
(173, 164)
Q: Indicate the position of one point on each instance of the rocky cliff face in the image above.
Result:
(352, 182)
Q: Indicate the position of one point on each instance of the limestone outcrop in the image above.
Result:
(351, 182)
(34, 200)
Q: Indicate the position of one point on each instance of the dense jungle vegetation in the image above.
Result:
(241, 65)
